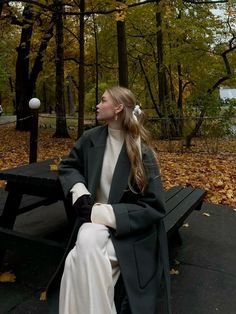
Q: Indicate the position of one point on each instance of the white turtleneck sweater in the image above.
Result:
(102, 212)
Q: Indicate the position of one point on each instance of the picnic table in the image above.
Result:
(34, 185)
(28, 187)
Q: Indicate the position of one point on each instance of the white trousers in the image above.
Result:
(90, 274)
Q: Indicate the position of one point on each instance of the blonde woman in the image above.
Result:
(117, 194)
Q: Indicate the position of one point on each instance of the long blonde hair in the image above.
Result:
(133, 131)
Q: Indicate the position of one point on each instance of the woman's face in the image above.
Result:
(106, 108)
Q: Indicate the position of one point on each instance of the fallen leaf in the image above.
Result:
(230, 194)
(196, 168)
(206, 214)
(174, 271)
(43, 296)
(7, 277)
(219, 183)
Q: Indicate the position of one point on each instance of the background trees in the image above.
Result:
(173, 54)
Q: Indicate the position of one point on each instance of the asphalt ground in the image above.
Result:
(204, 279)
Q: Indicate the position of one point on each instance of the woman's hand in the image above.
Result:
(83, 207)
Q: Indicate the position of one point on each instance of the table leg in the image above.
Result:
(9, 213)
(11, 207)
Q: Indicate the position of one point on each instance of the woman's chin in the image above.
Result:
(101, 118)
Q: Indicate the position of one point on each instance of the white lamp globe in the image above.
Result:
(34, 103)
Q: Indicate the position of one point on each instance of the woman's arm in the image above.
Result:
(71, 168)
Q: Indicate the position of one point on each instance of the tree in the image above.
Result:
(23, 89)
(81, 70)
(61, 125)
(121, 43)
(27, 70)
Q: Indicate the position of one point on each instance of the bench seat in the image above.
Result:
(180, 202)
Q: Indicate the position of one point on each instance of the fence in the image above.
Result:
(216, 135)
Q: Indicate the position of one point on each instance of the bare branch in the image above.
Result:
(149, 87)
(76, 60)
(187, 83)
(102, 12)
(229, 72)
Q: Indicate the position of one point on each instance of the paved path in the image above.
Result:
(7, 119)
(206, 282)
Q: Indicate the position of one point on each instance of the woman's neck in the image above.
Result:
(115, 124)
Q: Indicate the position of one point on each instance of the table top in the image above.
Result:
(32, 176)
(39, 169)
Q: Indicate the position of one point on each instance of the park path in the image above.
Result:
(7, 119)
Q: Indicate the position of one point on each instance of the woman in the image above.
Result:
(117, 193)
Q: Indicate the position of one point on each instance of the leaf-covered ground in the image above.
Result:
(214, 172)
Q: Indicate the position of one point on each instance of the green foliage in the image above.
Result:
(193, 41)
(90, 97)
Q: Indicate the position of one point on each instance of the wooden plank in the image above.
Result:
(172, 192)
(176, 199)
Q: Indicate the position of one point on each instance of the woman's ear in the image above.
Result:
(119, 108)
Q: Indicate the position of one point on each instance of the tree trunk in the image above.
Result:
(1, 8)
(22, 86)
(122, 53)
(96, 67)
(61, 125)
(81, 71)
(12, 92)
(162, 82)
(70, 96)
(180, 99)
(45, 97)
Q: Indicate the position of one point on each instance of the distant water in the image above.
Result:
(233, 129)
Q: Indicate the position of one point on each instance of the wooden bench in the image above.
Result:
(180, 202)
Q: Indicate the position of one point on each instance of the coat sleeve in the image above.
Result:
(71, 168)
(149, 207)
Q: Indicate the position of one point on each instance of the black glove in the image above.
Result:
(83, 207)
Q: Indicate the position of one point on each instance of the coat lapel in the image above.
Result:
(95, 158)
(120, 177)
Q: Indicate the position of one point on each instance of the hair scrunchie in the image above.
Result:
(137, 111)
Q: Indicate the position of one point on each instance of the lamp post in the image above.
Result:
(34, 105)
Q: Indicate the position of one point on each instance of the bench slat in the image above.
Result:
(172, 192)
(177, 198)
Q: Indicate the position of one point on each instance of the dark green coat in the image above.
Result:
(140, 233)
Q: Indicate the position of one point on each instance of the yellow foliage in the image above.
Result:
(7, 277)
(174, 271)
(43, 296)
